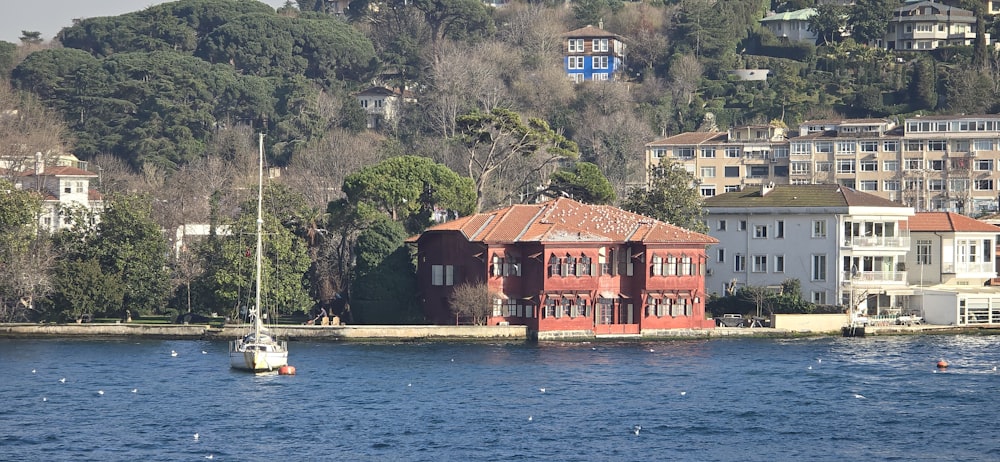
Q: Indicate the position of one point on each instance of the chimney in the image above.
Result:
(39, 165)
(766, 188)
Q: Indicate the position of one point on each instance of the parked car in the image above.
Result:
(730, 320)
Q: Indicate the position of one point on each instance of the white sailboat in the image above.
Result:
(258, 350)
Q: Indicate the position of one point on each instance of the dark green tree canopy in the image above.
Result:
(869, 19)
(409, 187)
(173, 26)
(670, 197)
(583, 182)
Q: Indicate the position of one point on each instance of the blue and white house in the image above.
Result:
(593, 53)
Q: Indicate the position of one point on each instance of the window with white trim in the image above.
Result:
(760, 263)
(576, 45)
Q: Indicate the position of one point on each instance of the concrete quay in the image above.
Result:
(409, 333)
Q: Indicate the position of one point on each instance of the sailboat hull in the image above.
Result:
(257, 357)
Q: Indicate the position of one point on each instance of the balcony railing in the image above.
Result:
(893, 242)
(979, 267)
(873, 277)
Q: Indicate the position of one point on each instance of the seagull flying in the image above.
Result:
(100, 392)
(32, 371)
(859, 396)
(541, 390)
(636, 429)
(530, 418)
(135, 390)
(204, 352)
(196, 437)
(209, 456)
(683, 393)
(62, 380)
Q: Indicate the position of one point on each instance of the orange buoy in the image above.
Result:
(286, 370)
(942, 364)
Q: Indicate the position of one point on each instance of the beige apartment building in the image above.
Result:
(930, 163)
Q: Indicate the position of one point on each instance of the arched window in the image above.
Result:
(671, 265)
(686, 267)
(553, 265)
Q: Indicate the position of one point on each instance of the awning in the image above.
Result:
(502, 296)
(608, 295)
(654, 295)
(583, 295)
(670, 295)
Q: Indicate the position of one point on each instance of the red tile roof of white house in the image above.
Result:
(566, 220)
(949, 222)
(60, 171)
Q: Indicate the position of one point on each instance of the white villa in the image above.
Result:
(61, 187)
(840, 243)
(952, 262)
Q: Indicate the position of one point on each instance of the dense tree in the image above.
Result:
(384, 284)
(230, 267)
(23, 257)
(176, 26)
(494, 139)
(409, 188)
(869, 19)
(83, 287)
(670, 197)
(129, 244)
(828, 23)
(583, 182)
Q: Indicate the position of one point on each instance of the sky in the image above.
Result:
(50, 16)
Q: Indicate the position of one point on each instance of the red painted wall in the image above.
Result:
(473, 262)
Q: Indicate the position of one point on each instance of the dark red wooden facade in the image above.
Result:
(568, 266)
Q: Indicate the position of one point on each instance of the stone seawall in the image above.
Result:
(425, 332)
(384, 333)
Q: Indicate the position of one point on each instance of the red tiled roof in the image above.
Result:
(566, 220)
(949, 222)
(60, 171)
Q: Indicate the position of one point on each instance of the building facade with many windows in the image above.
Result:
(930, 163)
(841, 244)
(593, 53)
(566, 266)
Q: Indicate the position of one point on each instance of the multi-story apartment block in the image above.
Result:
(931, 163)
(593, 53)
(726, 161)
(927, 25)
(846, 247)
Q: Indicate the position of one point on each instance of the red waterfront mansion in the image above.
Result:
(567, 266)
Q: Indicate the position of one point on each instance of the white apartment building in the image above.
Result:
(931, 163)
(926, 25)
(843, 245)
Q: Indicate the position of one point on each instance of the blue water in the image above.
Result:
(715, 400)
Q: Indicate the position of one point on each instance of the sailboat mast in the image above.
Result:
(260, 225)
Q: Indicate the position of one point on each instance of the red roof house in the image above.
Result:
(567, 266)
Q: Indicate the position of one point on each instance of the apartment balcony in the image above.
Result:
(963, 268)
(874, 278)
(877, 242)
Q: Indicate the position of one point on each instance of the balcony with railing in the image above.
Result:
(968, 267)
(877, 242)
(874, 278)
